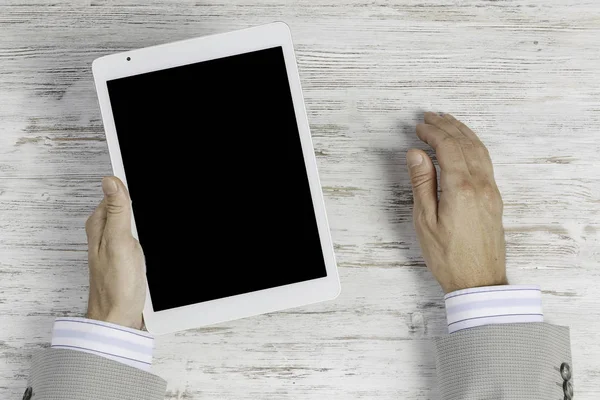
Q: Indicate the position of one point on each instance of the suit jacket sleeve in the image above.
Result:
(505, 362)
(59, 374)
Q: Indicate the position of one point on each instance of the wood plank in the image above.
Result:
(523, 74)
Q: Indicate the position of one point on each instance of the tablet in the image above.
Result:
(210, 136)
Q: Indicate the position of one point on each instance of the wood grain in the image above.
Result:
(522, 73)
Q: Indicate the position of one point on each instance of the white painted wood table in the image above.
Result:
(524, 74)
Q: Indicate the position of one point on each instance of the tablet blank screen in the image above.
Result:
(217, 178)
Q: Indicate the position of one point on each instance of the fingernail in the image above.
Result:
(109, 186)
(414, 158)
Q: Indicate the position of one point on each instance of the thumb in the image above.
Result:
(118, 206)
(424, 183)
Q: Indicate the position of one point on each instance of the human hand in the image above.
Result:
(116, 260)
(461, 235)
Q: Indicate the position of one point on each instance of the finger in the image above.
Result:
(464, 129)
(436, 120)
(424, 185)
(94, 226)
(479, 152)
(118, 207)
(472, 149)
(447, 148)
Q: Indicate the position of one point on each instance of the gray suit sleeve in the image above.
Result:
(58, 374)
(504, 362)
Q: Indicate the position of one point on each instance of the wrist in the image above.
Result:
(118, 318)
(129, 321)
(472, 284)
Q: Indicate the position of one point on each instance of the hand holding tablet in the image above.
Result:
(240, 228)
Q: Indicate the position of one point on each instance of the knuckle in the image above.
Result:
(420, 179)
(115, 208)
(466, 188)
(491, 195)
(90, 224)
(449, 146)
(488, 190)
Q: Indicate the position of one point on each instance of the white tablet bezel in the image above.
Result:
(202, 49)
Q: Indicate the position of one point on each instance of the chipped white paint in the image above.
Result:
(523, 73)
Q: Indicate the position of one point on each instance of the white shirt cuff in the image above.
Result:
(506, 304)
(115, 342)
